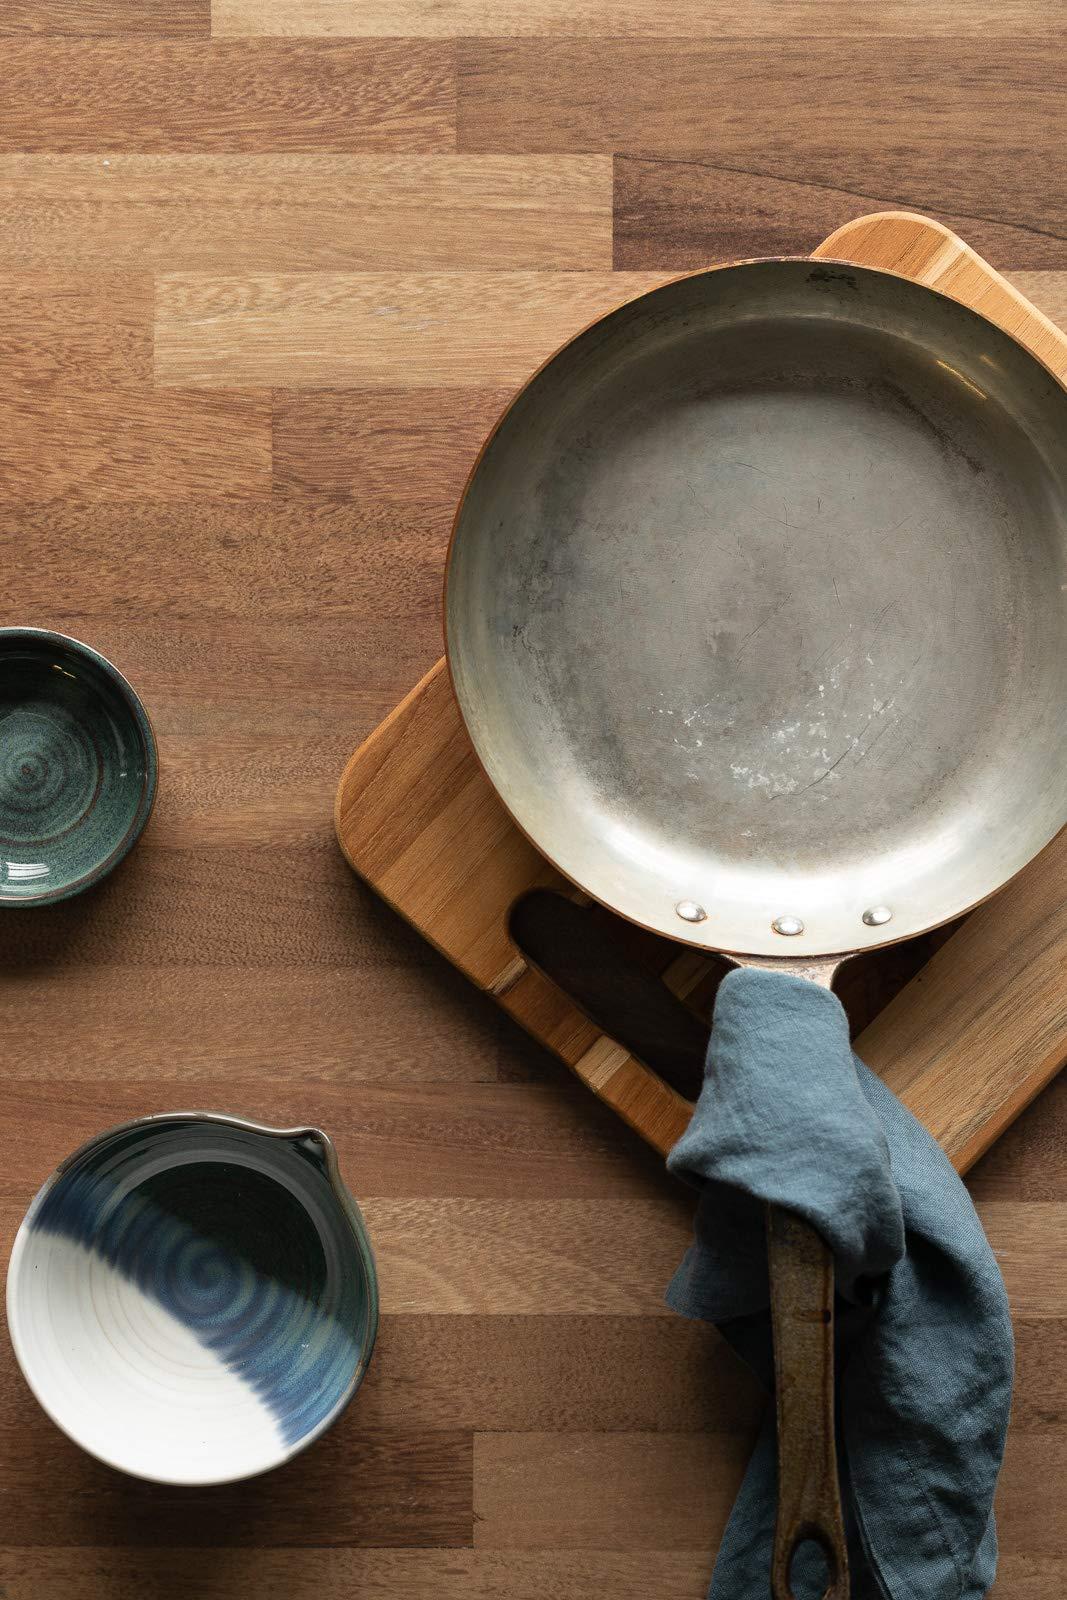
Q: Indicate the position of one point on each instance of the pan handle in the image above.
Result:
(802, 1307)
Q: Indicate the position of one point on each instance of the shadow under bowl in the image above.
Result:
(193, 1298)
(77, 767)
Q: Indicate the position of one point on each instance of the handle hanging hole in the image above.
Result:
(811, 1569)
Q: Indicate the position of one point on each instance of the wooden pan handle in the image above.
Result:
(802, 1307)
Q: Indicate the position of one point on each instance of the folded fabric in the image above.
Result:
(788, 1114)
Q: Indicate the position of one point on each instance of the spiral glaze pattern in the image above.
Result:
(77, 766)
(50, 773)
(239, 1239)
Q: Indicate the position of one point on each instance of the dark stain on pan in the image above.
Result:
(946, 442)
(826, 277)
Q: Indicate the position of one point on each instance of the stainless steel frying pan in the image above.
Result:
(756, 614)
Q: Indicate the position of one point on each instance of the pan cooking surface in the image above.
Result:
(757, 600)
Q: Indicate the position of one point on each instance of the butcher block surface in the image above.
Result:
(270, 268)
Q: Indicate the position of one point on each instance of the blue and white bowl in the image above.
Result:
(192, 1298)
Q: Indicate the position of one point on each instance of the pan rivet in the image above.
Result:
(787, 925)
(689, 911)
(877, 915)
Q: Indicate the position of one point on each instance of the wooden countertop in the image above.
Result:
(263, 292)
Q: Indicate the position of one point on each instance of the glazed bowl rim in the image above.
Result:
(356, 1225)
(131, 699)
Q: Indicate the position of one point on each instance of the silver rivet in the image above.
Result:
(689, 911)
(875, 917)
(788, 926)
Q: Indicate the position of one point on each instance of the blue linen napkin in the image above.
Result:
(788, 1114)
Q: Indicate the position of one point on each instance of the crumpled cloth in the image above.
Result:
(788, 1114)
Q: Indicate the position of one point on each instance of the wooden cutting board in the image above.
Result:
(966, 1044)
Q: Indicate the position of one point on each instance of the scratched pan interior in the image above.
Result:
(758, 598)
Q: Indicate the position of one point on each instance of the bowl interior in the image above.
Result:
(192, 1301)
(77, 766)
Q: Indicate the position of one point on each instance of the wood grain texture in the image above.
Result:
(160, 19)
(414, 1488)
(94, 96)
(1027, 1239)
(283, 680)
(1046, 290)
(176, 1574)
(368, 548)
(1031, 1460)
(1040, 1399)
(75, 329)
(737, 96)
(641, 1491)
(264, 910)
(1029, 1160)
(81, 414)
(488, 1140)
(668, 19)
(950, 1004)
(442, 330)
(395, 1020)
(679, 213)
(388, 446)
(517, 1257)
(254, 531)
(302, 213)
(580, 1374)
(637, 1491)
(108, 443)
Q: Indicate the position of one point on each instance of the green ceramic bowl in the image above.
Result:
(77, 767)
